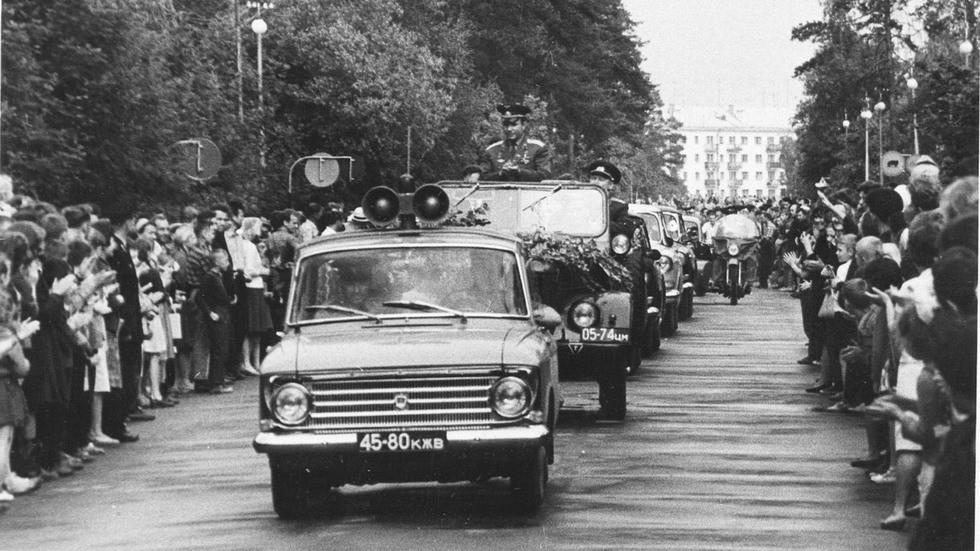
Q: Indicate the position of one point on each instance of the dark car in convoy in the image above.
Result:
(671, 263)
(409, 355)
(605, 325)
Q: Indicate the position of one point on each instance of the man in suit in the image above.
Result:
(516, 158)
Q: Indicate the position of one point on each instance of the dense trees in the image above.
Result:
(867, 49)
(96, 92)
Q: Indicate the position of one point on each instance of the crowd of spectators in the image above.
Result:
(886, 277)
(107, 320)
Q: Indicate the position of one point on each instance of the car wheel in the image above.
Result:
(529, 482)
(291, 493)
(670, 321)
(612, 395)
(652, 340)
(687, 305)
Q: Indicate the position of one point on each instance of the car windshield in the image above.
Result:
(408, 281)
(653, 227)
(561, 207)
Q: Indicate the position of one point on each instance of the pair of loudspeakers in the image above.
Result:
(384, 206)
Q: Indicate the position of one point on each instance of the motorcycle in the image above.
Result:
(736, 243)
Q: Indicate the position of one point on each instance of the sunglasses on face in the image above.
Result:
(511, 123)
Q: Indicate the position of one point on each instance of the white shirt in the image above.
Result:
(842, 270)
(253, 268)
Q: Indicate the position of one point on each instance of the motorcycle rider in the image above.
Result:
(721, 260)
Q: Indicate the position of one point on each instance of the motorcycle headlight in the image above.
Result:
(733, 249)
(584, 314)
(291, 404)
(620, 244)
(510, 397)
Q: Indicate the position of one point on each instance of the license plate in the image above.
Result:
(605, 334)
(375, 442)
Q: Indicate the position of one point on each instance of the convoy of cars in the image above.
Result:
(435, 354)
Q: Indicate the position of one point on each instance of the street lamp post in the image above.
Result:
(913, 84)
(880, 108)
(866, 115)
(259, 27)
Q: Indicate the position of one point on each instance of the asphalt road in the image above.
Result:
(720, 450)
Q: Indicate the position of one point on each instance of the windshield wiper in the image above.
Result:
(419, 305)
(553, 191)
(344, 309)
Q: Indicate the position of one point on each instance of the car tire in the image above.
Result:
(687, 305)
(291, 493)
(612, 395)
(530, 481)
(652, 338)
(669, 326)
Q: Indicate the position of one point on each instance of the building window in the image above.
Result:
(772, 175)
(758, 158)
(770, 140)
(733, 175)
(710, 140)
(758, 175)
(745, 158)
(758, 140)
(722, 174)
(697, 175)
(731, 158)
(745, 192)
(710, 157)
(731, 140)
(745, 140)
(697, 158)
(695, 139)
(745, 175)
(772, 158)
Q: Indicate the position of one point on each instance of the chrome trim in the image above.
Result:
(674, 293)
(272, 441)
(688, 285)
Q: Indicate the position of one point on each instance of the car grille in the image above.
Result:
(427, 402)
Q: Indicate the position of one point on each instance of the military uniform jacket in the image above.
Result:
(531, 157)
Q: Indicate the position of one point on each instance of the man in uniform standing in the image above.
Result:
(516, 158)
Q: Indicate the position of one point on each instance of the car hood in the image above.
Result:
(333, 347)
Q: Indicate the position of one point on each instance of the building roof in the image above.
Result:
(732, 117)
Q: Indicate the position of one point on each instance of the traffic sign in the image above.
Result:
(199, 158)
(322, 170)
(892, 163)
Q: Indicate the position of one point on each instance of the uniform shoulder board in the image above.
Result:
(495, 144)
(538, 143)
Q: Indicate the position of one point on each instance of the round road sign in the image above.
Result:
(323, 171)
(199, 158)
(892, 163)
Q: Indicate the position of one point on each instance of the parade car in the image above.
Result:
(605, 325)
(409, 355)
(674, 229)
(671, 263)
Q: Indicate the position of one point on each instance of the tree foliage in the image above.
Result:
(97, 92)
(865, 54)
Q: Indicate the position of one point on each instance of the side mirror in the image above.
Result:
(654, 255)
(669, 241)
(545, 316)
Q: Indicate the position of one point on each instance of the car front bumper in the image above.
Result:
(468, 455)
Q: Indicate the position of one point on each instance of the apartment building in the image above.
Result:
(732, 152)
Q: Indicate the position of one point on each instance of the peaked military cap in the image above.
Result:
(513, 110)
(605, 169)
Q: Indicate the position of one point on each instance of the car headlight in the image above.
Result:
(291, 404)
(620, 244)
(510, 397)
(584, 314)
(665, 264)
(733, 249)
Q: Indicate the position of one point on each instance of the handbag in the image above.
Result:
(175, 328)
(829, 306)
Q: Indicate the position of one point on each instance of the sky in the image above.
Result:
(721, 52)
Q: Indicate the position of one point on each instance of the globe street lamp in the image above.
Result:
(880, 108)
(259, 27)
(866, 115)
(913, 84)
(846, 124)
